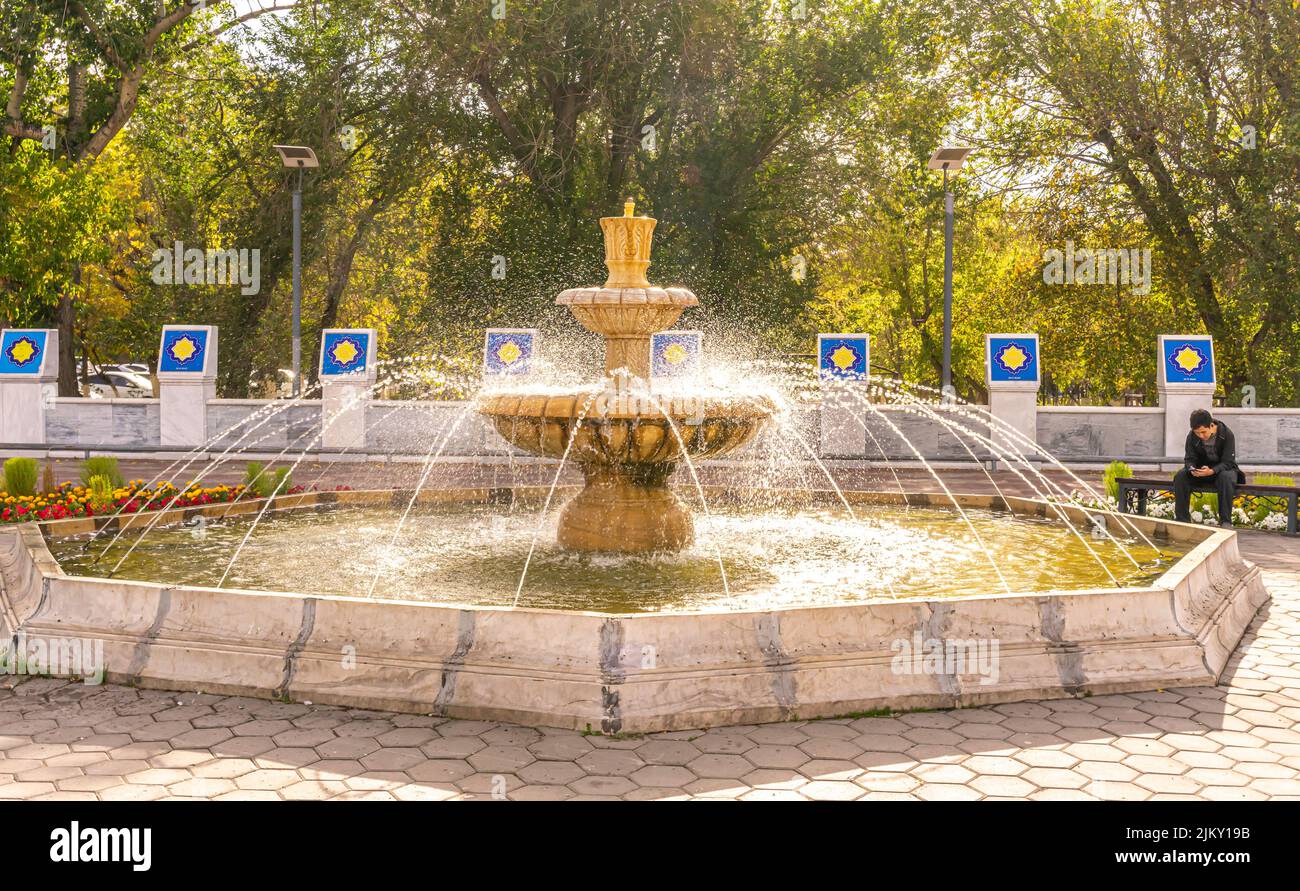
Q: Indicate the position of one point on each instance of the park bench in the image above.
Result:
(1143, 487)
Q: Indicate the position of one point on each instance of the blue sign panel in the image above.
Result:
(1013, 359)
(1188, 360)
(843, 356)
(509, 350)
(22, 352)
(675, 353)
(344, 352)
(184, 350)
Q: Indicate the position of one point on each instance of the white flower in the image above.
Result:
(1274, 522)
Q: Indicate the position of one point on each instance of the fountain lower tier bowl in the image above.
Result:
(628, 445)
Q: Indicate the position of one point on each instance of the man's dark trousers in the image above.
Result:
(1224, 483)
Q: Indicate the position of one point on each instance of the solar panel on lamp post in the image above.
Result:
(948, 158)
(299, 157)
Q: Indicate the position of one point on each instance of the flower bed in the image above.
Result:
(1160, 506)
(73, 500)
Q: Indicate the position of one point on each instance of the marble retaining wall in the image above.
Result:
(1077, 433)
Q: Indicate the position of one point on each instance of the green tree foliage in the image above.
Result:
(782, 147)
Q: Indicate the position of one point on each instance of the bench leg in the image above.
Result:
(1142, 501)
(1291, 514)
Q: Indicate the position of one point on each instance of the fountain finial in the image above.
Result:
(627, 247)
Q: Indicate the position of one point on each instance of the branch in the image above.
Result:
(246, 17)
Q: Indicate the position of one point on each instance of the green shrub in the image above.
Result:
(20, 476)
(1115, 470)
(1205, 502)
(101, 492)
(1269, 505)
(104, 466)
(264, 483)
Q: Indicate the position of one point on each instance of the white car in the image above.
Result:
(118, 385)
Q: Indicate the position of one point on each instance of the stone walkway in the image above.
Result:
(1238, 740)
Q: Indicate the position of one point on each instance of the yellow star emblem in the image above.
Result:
(184, 349)
(1014, 358)
(344, 352)
(509, 352)
(1187, 359)
(675, 354)
(844, 358)
(22, 351)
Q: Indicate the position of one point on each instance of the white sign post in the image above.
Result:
(187, 380)
(347, 373)
(29, 374)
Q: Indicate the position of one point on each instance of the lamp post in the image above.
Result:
(947, 158)
(300, 157)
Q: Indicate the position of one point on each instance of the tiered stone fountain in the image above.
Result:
(630, 438)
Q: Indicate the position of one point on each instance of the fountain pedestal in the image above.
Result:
(627, 439)
(630, 505)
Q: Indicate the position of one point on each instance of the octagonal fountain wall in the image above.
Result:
(642, 672)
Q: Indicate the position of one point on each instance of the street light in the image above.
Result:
(299, 156)
(945, 158)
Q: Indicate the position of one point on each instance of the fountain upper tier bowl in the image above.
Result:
(617, 428)
(626, 437)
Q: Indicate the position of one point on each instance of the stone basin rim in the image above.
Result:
(1201, 536)
(585, 670)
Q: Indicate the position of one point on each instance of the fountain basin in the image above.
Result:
(628, 445)
(649, 672)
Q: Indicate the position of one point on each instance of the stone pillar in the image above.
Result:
(844, 367)
(187, 379)
(1012, 374)
(1185, 380)
(29, 375)
(347, 373)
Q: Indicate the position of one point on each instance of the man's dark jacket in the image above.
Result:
(1195, 455)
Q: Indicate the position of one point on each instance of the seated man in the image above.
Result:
(1211, 466)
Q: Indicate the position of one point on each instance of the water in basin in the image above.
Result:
(775, 556)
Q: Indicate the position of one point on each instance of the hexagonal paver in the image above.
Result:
(663, 775)
(501, 759)
(553, 773)
(443, 770)
(615, 762)
(719, 767)
(667, 751)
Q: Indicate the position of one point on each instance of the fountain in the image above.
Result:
(795, 605)
(626, 438)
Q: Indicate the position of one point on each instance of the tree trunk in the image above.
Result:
(66, 318)
(341, 272)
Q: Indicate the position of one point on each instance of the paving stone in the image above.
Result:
(830, 790)
(1239, 740)
(667, 751)
(558, 773)
(777, 756)
(665, 775)
(718, 766)
(602, 785)
(440, 770)
(946, 792)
